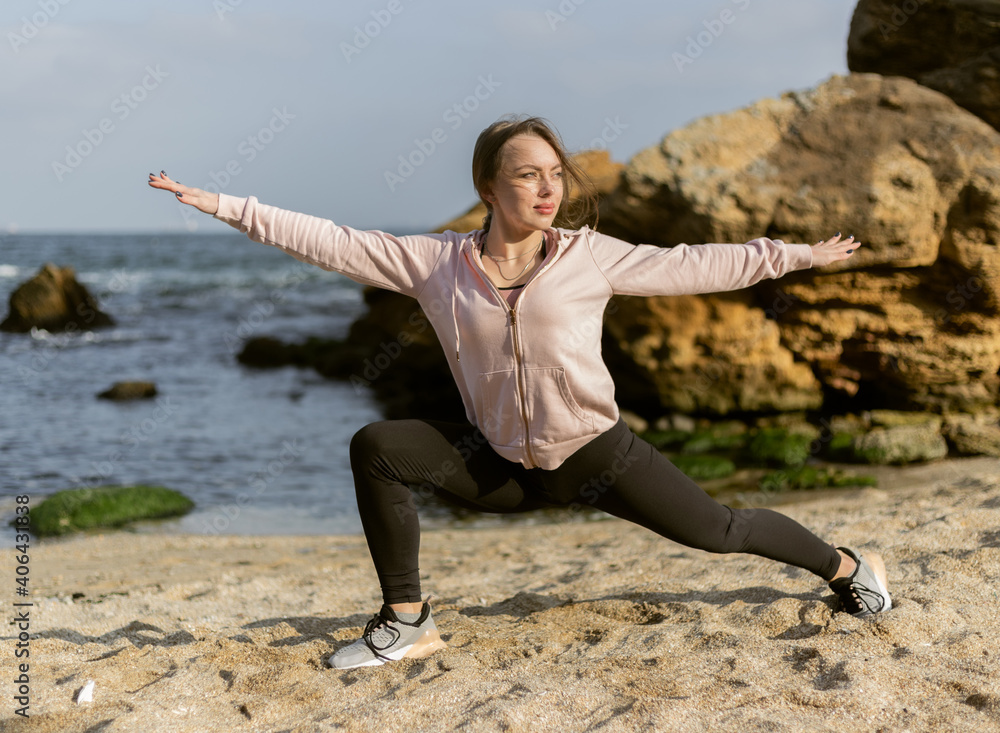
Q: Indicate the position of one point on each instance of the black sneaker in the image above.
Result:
(866, 591)
(387, 639)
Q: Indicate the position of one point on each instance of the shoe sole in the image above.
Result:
(428, 643)
(877, 564)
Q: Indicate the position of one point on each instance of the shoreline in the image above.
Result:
(892, 479)
(579, 625)
(255, 521)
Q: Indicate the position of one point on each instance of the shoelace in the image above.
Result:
(864, 598)
(378, 623)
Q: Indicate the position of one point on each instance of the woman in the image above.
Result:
(518, 306)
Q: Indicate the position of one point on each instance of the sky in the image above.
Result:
(363, 112)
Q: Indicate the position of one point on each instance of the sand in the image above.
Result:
(582, 626)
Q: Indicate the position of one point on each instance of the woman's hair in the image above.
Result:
(487, 160)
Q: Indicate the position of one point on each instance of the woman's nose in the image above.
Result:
(548, 185)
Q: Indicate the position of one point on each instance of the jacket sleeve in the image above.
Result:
(686, 269)
(402, 264)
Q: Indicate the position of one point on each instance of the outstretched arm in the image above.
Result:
(400, 263)
(201, 200)
(685, 269)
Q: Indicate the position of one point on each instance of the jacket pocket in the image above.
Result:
(554, 413)
(498, 409)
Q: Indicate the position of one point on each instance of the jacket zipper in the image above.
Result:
(518, 376)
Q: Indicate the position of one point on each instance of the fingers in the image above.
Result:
(163, 181)
(834, 249)
(201, 200)
(160, 181)
(844, 245)
(840, 246)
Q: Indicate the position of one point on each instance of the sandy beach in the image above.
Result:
(572, 627)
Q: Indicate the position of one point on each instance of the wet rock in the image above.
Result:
(129, 391)
(55, 301)
(901, 444)
(74, 510)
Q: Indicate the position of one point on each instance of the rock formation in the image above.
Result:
(55, 301)
(912, 321)
(952, 46)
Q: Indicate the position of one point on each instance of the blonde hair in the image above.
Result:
(487, 160)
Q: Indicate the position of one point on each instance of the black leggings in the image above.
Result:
(617, 472)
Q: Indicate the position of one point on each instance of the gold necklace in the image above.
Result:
(497, 260)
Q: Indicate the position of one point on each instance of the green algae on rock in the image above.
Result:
(812, 477)
(105, 506)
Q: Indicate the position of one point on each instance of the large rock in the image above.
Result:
(55, 301)
(952, 46)
(909, 322)
(711, 354)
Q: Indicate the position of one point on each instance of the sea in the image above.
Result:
(259, 451)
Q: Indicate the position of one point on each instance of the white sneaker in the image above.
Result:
(386, 639)
(865, 591)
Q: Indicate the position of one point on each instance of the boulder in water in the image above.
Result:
(55, 301)
(129, 391)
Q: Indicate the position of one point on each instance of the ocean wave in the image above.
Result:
(106, 284)
(82, 338)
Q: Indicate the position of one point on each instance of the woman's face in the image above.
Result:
(529, 187)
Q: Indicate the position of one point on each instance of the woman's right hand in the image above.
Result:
(834, 250)
(201, 200)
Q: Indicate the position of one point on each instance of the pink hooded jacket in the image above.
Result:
(531, 377)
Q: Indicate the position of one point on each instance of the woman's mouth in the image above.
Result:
(545, 208)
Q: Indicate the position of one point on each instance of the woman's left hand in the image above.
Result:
(833, 250)
(202, 200)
